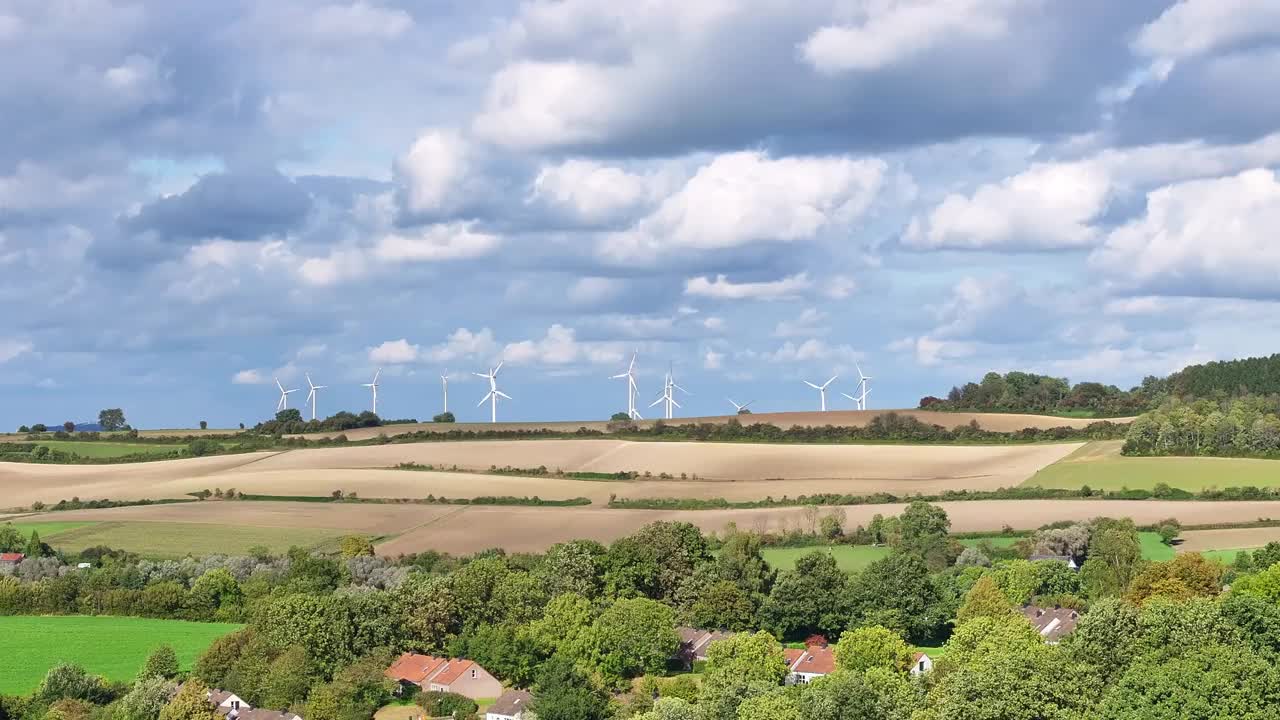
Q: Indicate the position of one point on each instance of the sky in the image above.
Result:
(197, 198)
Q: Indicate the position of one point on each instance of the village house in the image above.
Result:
(261, 714)
(430, 673)
(511, 705)
(1052, 623)
(813, 662)
(921, 664)
(226, 702)
(11, 559)
(1070, 561)
(694, 643)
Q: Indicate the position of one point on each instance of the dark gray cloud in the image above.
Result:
(234, 206)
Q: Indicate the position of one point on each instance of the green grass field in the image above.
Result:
(848, 557)
(114, 647)
(47, 530)
(173, 540)
(108, 449)
(1100, 466)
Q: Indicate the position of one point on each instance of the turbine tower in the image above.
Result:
(632, 390)
(494, 392)
(374, 387)
(313, 396)
(862, 384)
(739, 408)
(284, 396)
(822, 390)
(444, 380)
(668, 395)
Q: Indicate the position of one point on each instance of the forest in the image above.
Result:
(1022, 392)
(591, 629)
(1237, 427)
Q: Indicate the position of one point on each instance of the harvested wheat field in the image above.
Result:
(999, 422)
(1228, 539)
(735, 471)
(521, 529)
(988, 465)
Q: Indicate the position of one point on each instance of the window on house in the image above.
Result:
(473, 673)
(921, 666)
(235, 704)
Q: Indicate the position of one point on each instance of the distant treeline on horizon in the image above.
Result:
(1021, 392)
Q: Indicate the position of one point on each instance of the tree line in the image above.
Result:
(1022, 392)
(1247, 426)
(591, 629)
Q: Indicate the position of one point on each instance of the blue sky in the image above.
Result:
(196, 198)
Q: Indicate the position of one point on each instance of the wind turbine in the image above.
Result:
(632, 390)
(822, 390)
(313, 396)
(669, 388)
(284, 397)
(374, 386)
(739, 408)
(444, 379)
(862, 384)
(494, 392)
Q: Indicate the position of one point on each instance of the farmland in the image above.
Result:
(1101, 466)
(114, 647)
(173, 540)
(101, 449)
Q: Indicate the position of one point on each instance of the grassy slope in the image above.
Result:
(172, 539)
(1100, 466)
(110, 646)
(47, 530)
(848, 557)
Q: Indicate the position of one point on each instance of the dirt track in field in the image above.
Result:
(1000, 422)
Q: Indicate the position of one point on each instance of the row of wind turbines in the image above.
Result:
(667, 398)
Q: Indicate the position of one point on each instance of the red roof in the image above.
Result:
(11, 557)
(813, 660)
(414, 668)
(454, 670)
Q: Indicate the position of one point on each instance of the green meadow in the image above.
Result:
(114, 647)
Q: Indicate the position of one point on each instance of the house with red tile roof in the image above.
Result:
(921, 664)
(812, 662)
(11, 558)
(431, 673)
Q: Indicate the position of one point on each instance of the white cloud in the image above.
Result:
(593, 193)
(930, 351)
(1050, 205)
(712, 360)
(812, 350)
(593, 290)
(437, 243)
(338, 267)
(249, 377)
(533, 104)
(560, 346)
(463, 343)
(357, 21)
(722, 289)
(437, 172)
(1211, 237)
(312, 350)
(839, 287)
(394, 352)
(808, 323)
(887, 32)
(714, 324)
(11, 349)
(1194, 27)
(747, 197)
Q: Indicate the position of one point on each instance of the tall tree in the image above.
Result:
(562, 692)
(985, 599)
(190, 703)
(808, 599)
(872, 647)
(112, 419)
(162, 662)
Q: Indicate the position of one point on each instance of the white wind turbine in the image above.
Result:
(668, 395)
(739, 408)
(632, 390)
(444, 380)
(822, 390)
(313, 396)
(494, 392)
(862, 384)
(284, 396)
(374, 387)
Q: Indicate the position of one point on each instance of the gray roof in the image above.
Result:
(511, 703)
(1052, 623)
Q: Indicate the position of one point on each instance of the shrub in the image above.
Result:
(452, 705)
(444, 417)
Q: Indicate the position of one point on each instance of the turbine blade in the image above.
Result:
(479, 374)
(655, 402)
(673, 402)
(502, 394)
(618, 377)
(815, 387)
(484, 399)
(833, 379)
(686, 392)
(500, 364)
(849, 396)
